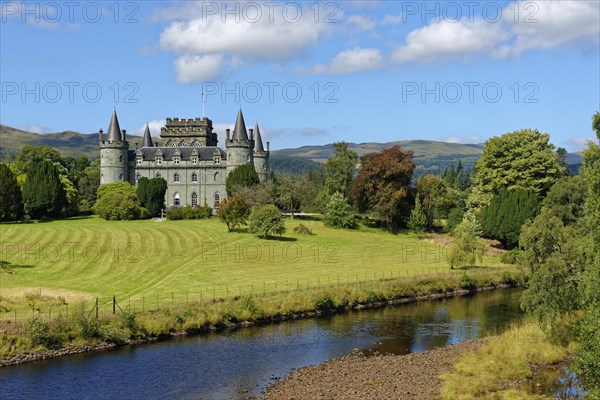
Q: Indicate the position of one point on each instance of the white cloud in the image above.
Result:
(294, 132)
(550, 24)
(391, 19)
(360, 23)
(469, 139)
(35, 128)
(154, 126)
(350, 61)
(192, 69)
(580, 142)
(444, 40)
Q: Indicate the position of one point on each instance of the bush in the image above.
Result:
(151, 193)
(417, 221)
(467, 248)
(266, 221)
(588, 357)
(324, 302)
(303, 230)
(88, 327)
(455, 217)
(510, 257)
(466, 282)
(118, 201)
(338, 213)
(234, 212)
(245, 176)
(188, 212)
(39, 333)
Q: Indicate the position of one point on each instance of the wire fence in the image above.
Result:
(59, 310)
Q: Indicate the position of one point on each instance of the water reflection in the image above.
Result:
(558, 382)
(240, 363)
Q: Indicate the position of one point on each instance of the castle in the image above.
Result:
(194, 167)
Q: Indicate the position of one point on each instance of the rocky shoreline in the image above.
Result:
(46, 354)
(412, 376)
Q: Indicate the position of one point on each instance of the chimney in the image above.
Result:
(268, 145)
(227, 132)
(251, 133)
(100, 135)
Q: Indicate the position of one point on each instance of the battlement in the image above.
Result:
(176, 123)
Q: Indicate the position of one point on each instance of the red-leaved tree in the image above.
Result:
(383, 185)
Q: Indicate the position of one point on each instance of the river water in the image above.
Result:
(238, 364)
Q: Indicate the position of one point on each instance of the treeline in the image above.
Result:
(40, 183)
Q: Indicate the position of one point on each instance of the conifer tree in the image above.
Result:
(43, 191)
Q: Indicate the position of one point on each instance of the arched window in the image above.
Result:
(158, 175)
(249, 158)
(217, 199)
(176, 177)
(121, 177)
(138, 176)
(216, 176)
(177, 202)
(194, 177)
(194, 199)
(170, 143)
(182, 143)
(196, 143)
(101, 178)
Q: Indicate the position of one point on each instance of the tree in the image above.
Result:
(151, 193)
(87, 185)
(434, 195)
(417, 221)
(566, 198)
(467, 247)
(290, 192)
(234, 212)
(506, 213)
(11, 200)
(340, 169)
(266, 221)
(244, 175)
(522, 159)
(258, 195)
(32, 155)
(118, 201)
(382, 185)
(338, 213)
(43, 191)
(561, 156)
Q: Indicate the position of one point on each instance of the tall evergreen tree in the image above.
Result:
(245, 176)
(11, 201)
(340, 169)
(43, 191)
(155, 196)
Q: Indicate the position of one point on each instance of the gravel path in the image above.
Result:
(411, 376)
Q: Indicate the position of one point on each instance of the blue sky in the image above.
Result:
(309, 73)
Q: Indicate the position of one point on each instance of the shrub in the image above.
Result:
(303, 230)
(188, 212)
(113, 334)
(417, 221)
(88, 327)
(151, 193)
(39, 333)
(467, 248)
(510, 257)
(266, 221)
(324, 302)
(118, 201)
(338, 213)
(234, 212)
(466, 282)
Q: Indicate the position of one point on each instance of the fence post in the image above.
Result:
(114, 304)
(49, 314)
(143, 304)
(172, 300)
(187, 297)
(96, 308)
(157, 301)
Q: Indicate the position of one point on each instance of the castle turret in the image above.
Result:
(113, 153)
(261, 157)
(239, 147)
(147, 140)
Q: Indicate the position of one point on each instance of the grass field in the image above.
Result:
(84, 258)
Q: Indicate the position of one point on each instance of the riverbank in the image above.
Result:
(82, 334)
(498, 367)
(412, 376)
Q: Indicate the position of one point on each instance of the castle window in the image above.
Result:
(216, 176)
(194, 177)
(249, 158)
(120, 177)
(176, 160)
(101, 178)
(139, 161)
(217, 160)
(217, 199)
(158, 175)
(194, 161)
(137, 177)
(194, 199)
(195, 143)
(170, 143)
(120, 158)
(176, 177)
(158, 161)
(176, 201)
(182, 144)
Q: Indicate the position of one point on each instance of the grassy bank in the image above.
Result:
(145, 264)
(491, 371)
(81, 329)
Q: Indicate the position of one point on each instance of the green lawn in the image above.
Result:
(89, 257)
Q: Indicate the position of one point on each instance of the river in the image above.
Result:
(238, 364)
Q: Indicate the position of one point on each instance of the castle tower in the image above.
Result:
(113, 153)
(261, 157)
(239, 146)
(147, 140)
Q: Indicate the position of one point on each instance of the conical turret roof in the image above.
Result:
(258, 144)
(147, 140)
(114, 130)
(239, 131)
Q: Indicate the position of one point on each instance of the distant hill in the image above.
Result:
(428, 154)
